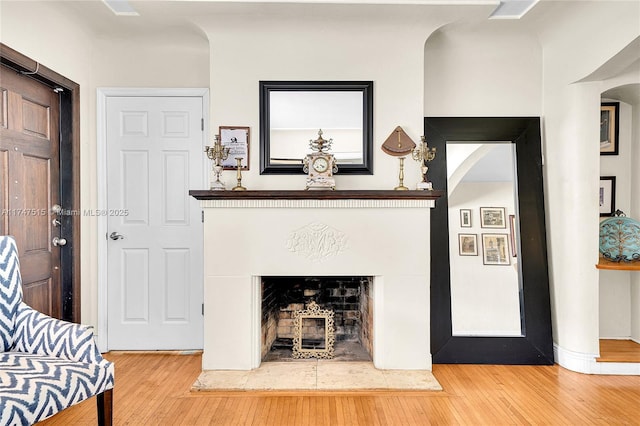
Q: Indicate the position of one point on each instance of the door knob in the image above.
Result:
(115, 236)
(59, 242)
(56, 209)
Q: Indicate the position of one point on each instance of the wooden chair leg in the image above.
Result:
(105, 408)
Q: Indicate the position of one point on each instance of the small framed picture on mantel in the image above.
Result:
(236, 138)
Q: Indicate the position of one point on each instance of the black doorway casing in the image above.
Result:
(535, 346)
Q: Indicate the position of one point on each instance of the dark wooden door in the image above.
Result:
(29, 184)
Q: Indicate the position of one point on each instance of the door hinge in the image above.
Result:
(202, 124)
(202, 211)
(203, 309)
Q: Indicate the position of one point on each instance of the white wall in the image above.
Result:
(168, 58)
(615, 304)
(45, 34)
(386, 49)
(483, 69)
(634, 299)
(615, 286)
(624, 87)
(485, 299)
(572, 50)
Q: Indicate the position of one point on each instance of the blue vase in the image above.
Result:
(620, 238)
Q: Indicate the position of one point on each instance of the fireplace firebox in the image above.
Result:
(350, 298)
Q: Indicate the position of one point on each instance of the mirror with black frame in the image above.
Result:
(292, 113)
(483, 239)
(506, 318)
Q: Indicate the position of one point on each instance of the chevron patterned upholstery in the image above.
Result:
(46, 365)
(10, 290)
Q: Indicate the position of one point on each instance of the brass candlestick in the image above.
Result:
(239, 186)
(217, 153)
(423, 154)
(401, 186)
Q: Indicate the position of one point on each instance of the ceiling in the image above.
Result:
(180, 19)
(149, 16)
(628, 93)
(504, 9)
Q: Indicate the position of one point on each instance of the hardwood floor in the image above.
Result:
(619, 351)
(153, 389)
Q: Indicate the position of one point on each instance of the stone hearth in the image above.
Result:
(316, 375)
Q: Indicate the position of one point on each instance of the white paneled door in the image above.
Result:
(154, 156)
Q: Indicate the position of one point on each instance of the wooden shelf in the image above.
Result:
(618, 266)
(317, 195)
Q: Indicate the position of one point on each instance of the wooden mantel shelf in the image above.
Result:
(316, 195)
(618, 266)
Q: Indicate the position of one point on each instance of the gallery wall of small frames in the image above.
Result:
(498, 244)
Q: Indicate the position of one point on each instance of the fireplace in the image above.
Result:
(381, 237)
(349, 298)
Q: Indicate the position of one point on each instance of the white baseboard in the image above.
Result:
(586, 363)
(574, 361)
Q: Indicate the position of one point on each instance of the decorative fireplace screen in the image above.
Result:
(314, 334)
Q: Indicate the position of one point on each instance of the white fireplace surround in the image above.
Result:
(246, 239)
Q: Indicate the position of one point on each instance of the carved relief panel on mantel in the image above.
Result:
(317, 241)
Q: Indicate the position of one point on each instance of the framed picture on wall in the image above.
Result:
(609, 128)
(468, 244)
(607, 195)
(512, 235)
(512, 232)
(495, 249)
(465, 218)
(492, 217)
(236, 138)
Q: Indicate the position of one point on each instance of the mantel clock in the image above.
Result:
(320, 165)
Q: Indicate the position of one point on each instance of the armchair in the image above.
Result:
(46, 365)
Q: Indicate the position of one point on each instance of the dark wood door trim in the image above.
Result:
(69, 176)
